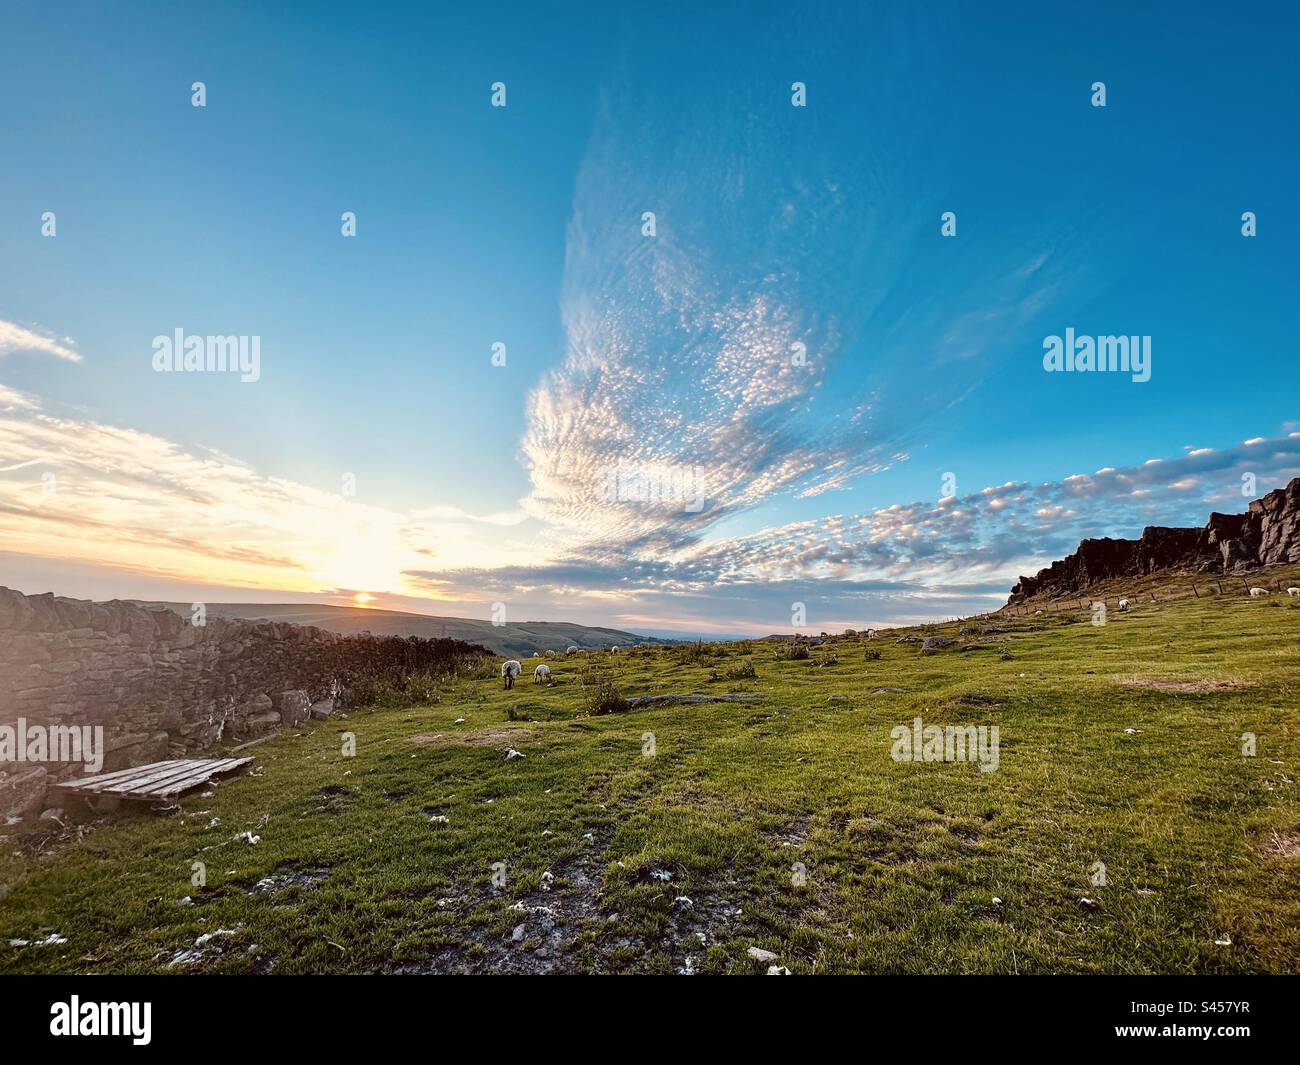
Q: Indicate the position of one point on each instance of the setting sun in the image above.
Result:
(363, 598)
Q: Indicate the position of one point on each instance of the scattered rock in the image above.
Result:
(759, 954)
(934, 643)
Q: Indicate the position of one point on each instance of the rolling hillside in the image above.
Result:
(519, 640)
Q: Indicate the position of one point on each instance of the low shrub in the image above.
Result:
(602, 697)
(740, 671)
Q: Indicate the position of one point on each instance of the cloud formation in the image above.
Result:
(15, 337)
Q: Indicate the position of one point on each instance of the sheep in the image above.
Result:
(1255, 593)
(613, 650)
(871, 634)
(571, 651)
(542, 673)
(537, 654)
(1037, 612)
(509, 671)
(1124, 604)
(1293, 591)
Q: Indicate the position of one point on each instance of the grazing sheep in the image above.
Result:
(542, 673)
(1037, 612)
(1123, 604)
(537, 654)
(1293, 591)
(509, 671)
(571, 651)
(613, 650)
(1255, 593)
(871, 634)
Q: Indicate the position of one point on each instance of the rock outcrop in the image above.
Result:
(162, 687)
(1268, 534)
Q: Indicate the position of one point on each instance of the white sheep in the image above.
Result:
(537, 654)
(509, 671)
(871, 634)
(1124, 604)
(1255, 593)
(571, 651)
(613, 650)
(1293, 591)
(542, 673)
(1037, 612)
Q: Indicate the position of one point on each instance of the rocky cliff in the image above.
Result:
(1268, 534)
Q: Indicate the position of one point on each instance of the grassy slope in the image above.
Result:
(902, 859)
(515, 639)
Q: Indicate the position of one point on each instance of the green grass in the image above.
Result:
(902, 860)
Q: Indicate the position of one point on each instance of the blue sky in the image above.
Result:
(775, 225)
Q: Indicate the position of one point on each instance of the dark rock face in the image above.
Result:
(1268, 534)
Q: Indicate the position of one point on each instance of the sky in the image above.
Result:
(662, 343)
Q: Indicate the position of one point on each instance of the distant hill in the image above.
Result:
(519, 640)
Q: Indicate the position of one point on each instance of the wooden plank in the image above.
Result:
(254, 743)
(194, 776)
(202, 777)
(154, 781)
(157, 779)
(119, 774)
(112, 780)
(149, 774)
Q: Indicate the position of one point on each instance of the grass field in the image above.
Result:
(673, 839)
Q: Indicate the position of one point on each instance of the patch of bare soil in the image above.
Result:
(287, 876)
(795, 834)
(1196, 687)
(1283, 845)
(548, 924)
(494, 737)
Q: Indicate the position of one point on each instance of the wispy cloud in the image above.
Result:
(84, 491)
(766, 337)
(15, 338)
(957, 555)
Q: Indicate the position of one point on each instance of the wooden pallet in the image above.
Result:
(155, 781)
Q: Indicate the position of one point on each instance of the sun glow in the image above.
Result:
(363, 598)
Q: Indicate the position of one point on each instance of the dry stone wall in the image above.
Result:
(162, 687)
